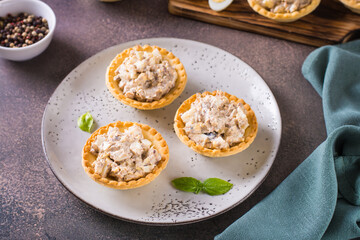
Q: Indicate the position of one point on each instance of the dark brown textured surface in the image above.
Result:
(35, 205)
(330, 23)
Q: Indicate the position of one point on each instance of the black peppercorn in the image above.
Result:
(22, 30)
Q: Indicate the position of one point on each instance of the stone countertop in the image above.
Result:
(33, 202)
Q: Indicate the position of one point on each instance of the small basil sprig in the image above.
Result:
(85, 122)
(216, 186)
(188, 184)
(211, 186)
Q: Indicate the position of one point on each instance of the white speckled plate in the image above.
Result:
(208, 68)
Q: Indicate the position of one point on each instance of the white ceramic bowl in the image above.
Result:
(37, 8)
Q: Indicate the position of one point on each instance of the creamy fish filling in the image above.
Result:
(215, 122)
(283, 6)
(145, 76)
(124, 155)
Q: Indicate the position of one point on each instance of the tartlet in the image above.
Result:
(283, 16)
(353, 5)
(113, 85)
(158, 142)
(248, 137)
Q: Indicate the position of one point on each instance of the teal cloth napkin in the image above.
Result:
(321, 198)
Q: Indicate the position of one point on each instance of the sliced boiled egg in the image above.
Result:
(219, 5)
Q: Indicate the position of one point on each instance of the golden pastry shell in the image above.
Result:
(353, 5)
(284, 17)
(168, 98)
(250, 132)
(149, 133)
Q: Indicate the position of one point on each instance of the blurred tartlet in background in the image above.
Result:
(284, 11)
(353, 5)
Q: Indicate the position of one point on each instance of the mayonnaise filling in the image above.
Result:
(124, 155)
(215, 122)
(283, 6)
(145, 76)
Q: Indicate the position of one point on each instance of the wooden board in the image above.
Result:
(330, 23)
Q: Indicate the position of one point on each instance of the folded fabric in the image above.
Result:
(321, 198)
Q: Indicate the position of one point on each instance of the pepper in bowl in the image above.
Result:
(22, 30)
(26, 28)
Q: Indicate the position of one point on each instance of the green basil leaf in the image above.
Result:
(216, 186)
(187, 184)
(85, 122)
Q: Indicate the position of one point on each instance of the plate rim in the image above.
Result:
(142, 222)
